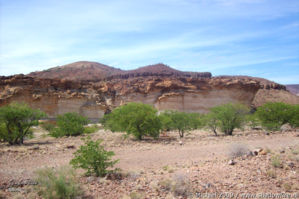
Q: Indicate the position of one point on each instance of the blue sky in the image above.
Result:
(226, 37)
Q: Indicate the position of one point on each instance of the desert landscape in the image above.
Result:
(252, 162)
(160, 99)
(199, 164)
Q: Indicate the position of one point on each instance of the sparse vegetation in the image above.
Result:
(94, 158)
(134, 118)
(181, 186)
(287, 187)
(166, 184)
(271, 173)
(69, 124)
(16, 120)
(136, 195)
(276, 161)
(238, 150)
(58, 184)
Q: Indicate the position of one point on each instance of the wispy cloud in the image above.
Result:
(200, 35)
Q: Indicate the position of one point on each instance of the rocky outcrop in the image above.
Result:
(184, 93)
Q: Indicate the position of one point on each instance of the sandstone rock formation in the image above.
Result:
(158, 85)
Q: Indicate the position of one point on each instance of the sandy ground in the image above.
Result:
(200, 158)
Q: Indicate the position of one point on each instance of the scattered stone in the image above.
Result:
(34, 148)
(13, 189)
(249, 154)
(115, 176)
(285, 128)
(231, 162)
(267, 133)
(282, 151)
(257, 151)
(263, 152)
(181, 142)
(291, 164)
(70, 146)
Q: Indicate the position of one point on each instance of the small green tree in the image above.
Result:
(211, 121)
(230, 116)
(16, 120)
(180, 121)
(93, 157)
(274, 114)
(69, 124)
(134, 118)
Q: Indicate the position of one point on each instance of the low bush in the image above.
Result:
(181, 186)
(276, 161)
(58, 184)
(238, 150)
(69, 124)
(93, 157)
(271, 173)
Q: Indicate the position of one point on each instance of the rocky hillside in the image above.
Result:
(93, 71)
(162, 87)
(77, 71)
(293, 88)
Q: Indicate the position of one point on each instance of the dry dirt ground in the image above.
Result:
(194, 167)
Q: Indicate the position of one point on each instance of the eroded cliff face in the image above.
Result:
(93, 99)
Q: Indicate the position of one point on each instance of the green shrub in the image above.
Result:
(229, 116)
(58, 184)
(93, 157)
(90, 129)
(16, 121)
(274, 114)
(69, 124)
(134, 118)
(294, 121)
(180, 121)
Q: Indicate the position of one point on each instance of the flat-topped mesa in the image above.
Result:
(263, 83)
(158, 85)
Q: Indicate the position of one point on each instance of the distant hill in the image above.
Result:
(293, 88)
(82, 70)
(92, 71)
